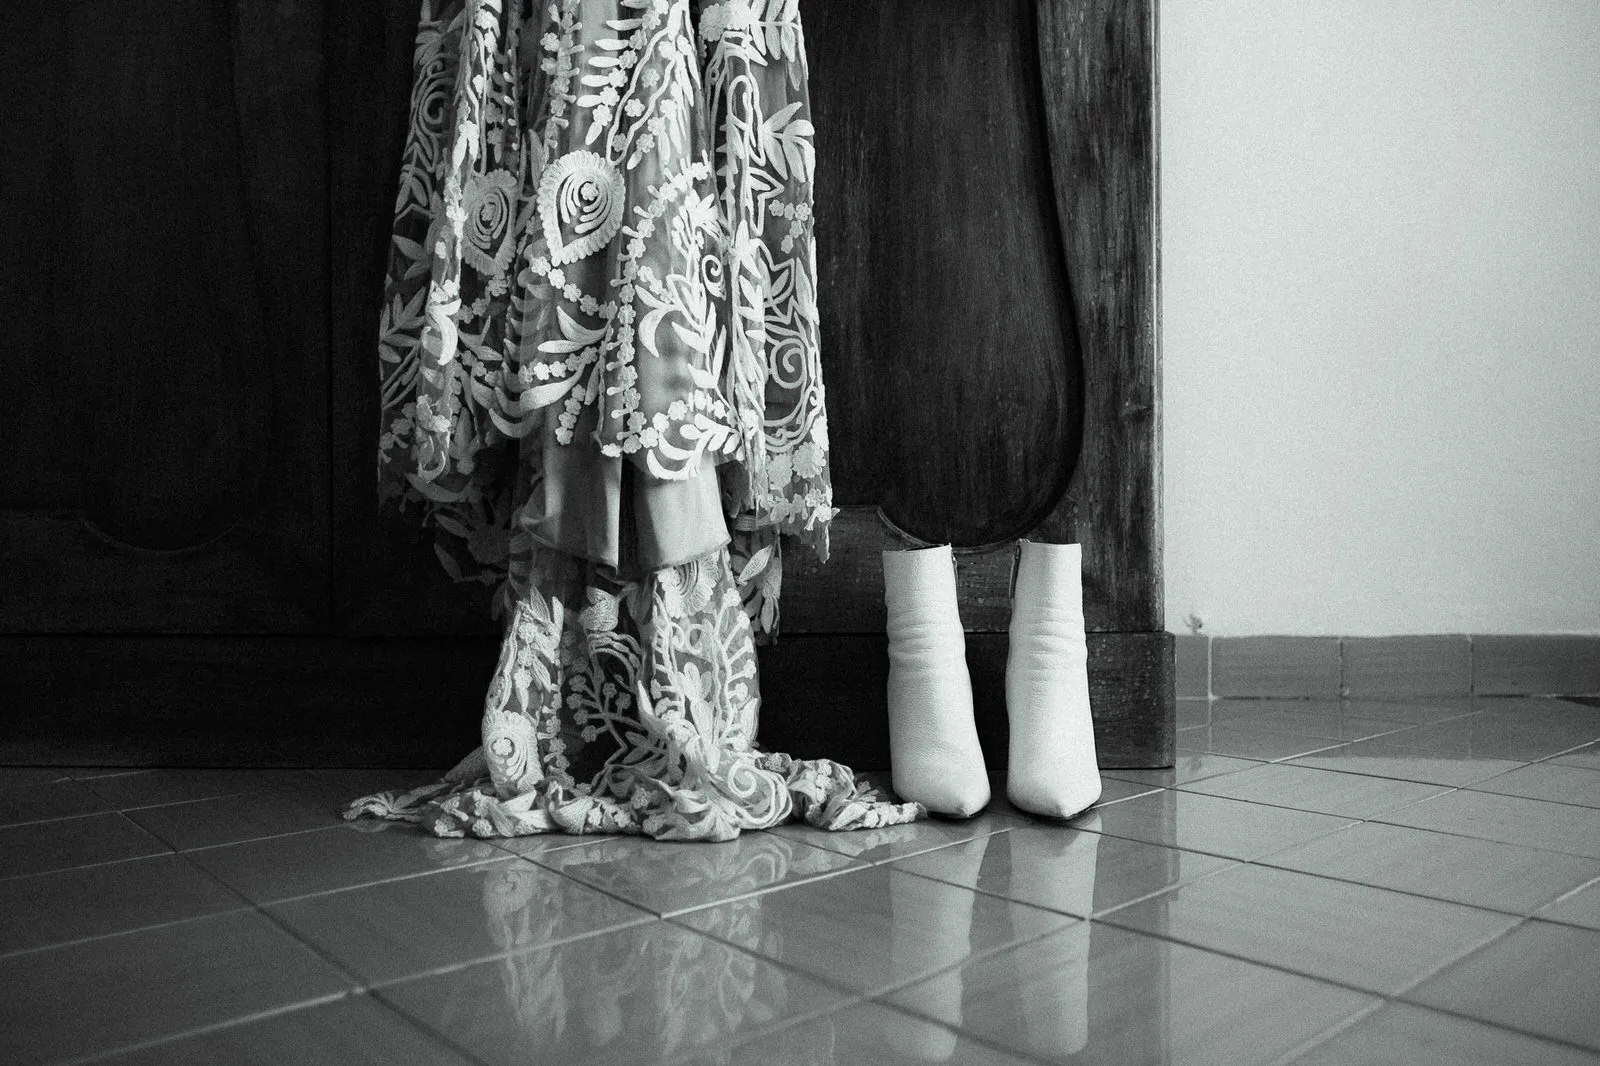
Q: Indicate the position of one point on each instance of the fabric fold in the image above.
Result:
(602, 391)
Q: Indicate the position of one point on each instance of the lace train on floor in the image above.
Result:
(630, 707)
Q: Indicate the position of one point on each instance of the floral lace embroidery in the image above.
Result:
(635, 713)
(584, 203)
(603, 240)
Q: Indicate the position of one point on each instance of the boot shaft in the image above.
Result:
(919, 594)
(1047, 596)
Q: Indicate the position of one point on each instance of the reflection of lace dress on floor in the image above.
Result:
(601, 389)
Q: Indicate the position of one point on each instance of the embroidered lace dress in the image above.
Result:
(601, 390)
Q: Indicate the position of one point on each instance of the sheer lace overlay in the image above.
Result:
(601, 390)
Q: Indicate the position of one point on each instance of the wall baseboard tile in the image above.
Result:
(1306, 667)
(1443, 666)
(1407, 666)
(1543, 666)
(1192, 665)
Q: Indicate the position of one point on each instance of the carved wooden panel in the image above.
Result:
(171, 378)
(986, 250)
(949, 346)
(208, 191)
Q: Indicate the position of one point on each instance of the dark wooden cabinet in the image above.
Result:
(194, 567)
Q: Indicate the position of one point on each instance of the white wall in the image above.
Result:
(1381, 300)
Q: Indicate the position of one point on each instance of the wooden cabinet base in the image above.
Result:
(823, 695)
(331, 701)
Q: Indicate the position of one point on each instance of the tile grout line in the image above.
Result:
(412, 875)
(357, 985)
(852, 866)
(1262, 860)
(897, 985)
(79, 941)
(1472, 667)
(210, 1027)
(1377, 819)
(771, 1029)
(1174, 938)
(443, 969)
(1593, 883)
(1458, 957)
(90, 865)
(1315, 1041)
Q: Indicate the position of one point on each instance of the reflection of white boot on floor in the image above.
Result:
(1055, 1015)
(1052, 769)
(933, 740)
(929, 927)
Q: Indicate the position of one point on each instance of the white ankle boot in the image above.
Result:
(1052, 767)
(933, 740)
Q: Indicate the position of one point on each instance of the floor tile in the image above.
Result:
(1401, 1033)
(1380, 758)
(1482, 873)
(1509, 819)
(38, 847)
(1421, 711)
(539, 843)
(1563, 708)
(1303, 717)
(1225, 827)
(865, 1033)
(351, 1029)
(248, 816)
(524, 960)
(1245, 743)
(155, 787)
(85, 773)
(1504, 735)
(1367, 937)
(1337, 726)
(1226, 711)
(1188, 766)
(873, 929)
(1581, 907)
(299, 864)
(1112, 790)
(395, 929)
(360, 781)
(1539, 978)
(667, 877)
(1587, 756)
(345, 785)
(1548, 781)
(645, 994)
(43, 802)
(898, 841)
(1097, 993)
(32, 776)
(53, 908)
(1307, 788)
(153, 983)
(1074, 871)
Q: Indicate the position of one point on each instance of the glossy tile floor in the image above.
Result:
(1411, 882)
